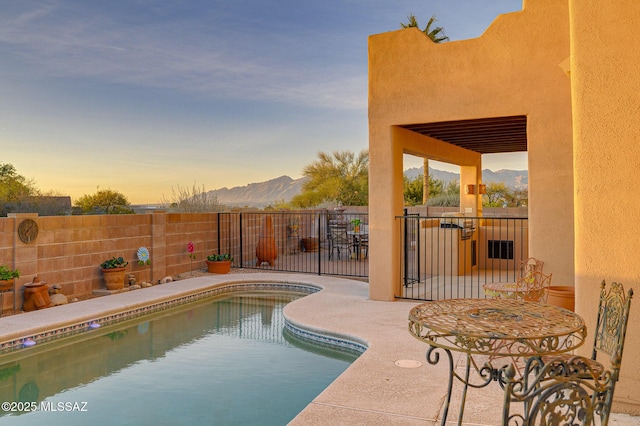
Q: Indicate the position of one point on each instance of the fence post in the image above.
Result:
(319, 228)
(241, 240)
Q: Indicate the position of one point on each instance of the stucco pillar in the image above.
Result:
(158, 245)
(385, 203)
(605, 64)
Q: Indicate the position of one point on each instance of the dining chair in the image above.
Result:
(530, 265)
(534, 287)
(555, 394)
(339, 240)
(609, 336)
(611, 328)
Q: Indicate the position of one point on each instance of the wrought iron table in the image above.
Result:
(494, 328)
(503, 290)
(359, 238)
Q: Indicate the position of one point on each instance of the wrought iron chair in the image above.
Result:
(534, 287)
(339, 240)
(556, 394)
(530, 265)
(611, 329)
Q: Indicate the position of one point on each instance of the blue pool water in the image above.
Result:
(220, 362)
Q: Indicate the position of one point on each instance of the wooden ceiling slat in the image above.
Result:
(484, 135)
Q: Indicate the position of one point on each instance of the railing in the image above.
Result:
(302, 242)
(452, 256)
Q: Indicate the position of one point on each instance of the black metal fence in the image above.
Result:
(451, 256)
(296, 241)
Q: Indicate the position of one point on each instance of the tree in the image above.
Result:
(496, 195)
(14, 188)
(104, 201)
(194, 200)
(414, 190)
(338, 177)
(437, 36)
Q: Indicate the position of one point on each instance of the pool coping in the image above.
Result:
(19, 338)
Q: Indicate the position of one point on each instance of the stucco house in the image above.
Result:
(558, 79)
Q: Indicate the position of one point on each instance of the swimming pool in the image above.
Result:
(222, 361)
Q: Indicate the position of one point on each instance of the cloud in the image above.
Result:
(184, 55)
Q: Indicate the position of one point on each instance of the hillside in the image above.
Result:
(285, 188)
(260, 194)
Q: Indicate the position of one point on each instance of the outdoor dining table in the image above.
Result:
(494, 328)
(358, 238)
(509, 290)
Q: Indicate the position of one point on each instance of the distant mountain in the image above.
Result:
(260, 194)
(512, 178)
(285, 188)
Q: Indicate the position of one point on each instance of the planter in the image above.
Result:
(563, 296)
(310, 244)
(36, 295)
(266, 250)
(6, 285)
(218, 266)
(114, 278)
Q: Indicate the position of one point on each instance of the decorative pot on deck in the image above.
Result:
(36, 295)
(563, 296)
(114, 278)
(310, 244)
(218, 266)
(266, 250)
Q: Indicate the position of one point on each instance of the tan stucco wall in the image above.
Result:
(512, 69)
(605, 70)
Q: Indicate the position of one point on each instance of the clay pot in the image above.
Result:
(218, 266)
(6, 285)
(114, 278)
(310, 244)
(266, 250)
(563, 296)
(36, 295)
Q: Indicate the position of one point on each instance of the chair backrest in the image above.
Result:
(530, 265)
(338, 235)
(556, 393)
(611, 325)
(534, 287)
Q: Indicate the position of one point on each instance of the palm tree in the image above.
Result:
(437, 36)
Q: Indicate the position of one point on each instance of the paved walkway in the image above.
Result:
(390, 384)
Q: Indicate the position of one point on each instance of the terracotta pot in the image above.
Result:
(310, 244)
(6, 285)
(563, 296)
(266, 250)
(36, 296)
(114, 278)
(218, 266)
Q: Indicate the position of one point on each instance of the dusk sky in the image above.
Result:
(142, 96)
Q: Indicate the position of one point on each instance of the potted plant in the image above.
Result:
(219, 263)
(113, 272)
(7, 276)
(355, 223)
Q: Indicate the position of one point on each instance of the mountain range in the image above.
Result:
(284, 188)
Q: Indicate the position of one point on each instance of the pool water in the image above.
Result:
(222, 362)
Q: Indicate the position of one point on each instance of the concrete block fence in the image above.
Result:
(68, 250)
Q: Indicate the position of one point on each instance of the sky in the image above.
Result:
(145, 97)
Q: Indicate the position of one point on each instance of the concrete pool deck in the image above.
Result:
(391, 383)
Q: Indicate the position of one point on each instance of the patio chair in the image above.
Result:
(609, 335)
(534, 287)
(556, 393)
(339, 240)
(530, 265)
